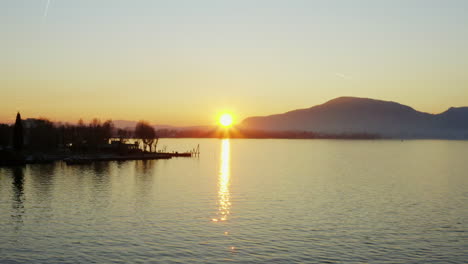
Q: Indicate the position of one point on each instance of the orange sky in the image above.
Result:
(183, 64)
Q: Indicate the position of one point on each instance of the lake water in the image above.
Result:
(245, 201)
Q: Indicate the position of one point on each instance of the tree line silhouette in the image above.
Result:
(43, 135)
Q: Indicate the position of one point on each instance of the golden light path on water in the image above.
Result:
(224, 203)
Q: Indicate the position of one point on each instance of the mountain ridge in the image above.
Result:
(348, 114)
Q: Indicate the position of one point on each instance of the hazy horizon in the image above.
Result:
(182, 63)
(121, 122)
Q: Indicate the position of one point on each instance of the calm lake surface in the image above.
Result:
(245, 201)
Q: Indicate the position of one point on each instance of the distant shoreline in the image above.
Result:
(330, 138)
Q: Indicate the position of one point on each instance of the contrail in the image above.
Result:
(46, 8)
(342, 76)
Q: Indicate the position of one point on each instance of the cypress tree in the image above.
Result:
(18, 137)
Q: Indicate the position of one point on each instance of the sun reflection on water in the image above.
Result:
(224, 203)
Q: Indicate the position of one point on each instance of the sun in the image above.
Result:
(225, 120)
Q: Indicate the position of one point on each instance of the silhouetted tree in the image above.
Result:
(82, 137)
(98, 133)
(123, 134)
(145, 132)
(5, 135)
(18, 136)
(79, 135)
(93, 133)
(42, 134)
(107, 130)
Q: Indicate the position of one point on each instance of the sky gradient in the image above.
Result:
(183, 62)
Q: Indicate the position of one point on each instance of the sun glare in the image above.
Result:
(225, 120)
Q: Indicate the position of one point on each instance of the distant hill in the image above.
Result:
(124, 124)
(131, 125)
(350, 115)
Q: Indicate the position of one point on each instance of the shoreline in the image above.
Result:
(16, 159)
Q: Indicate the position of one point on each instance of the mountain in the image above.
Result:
(353, 115)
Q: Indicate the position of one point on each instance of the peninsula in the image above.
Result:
(41, 141)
